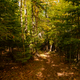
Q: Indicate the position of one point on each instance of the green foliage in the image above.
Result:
(58, 23)
(22, 57)
(66, 20)
(9, 22)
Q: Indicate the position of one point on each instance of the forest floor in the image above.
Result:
(45, 67)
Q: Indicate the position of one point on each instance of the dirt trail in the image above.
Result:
(45, 67)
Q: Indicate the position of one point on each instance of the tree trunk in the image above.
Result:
(50, 48)
(25, 8)
(22, 25)
(78, 38)
(32, 19)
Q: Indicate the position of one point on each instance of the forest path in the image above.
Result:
(45, 67)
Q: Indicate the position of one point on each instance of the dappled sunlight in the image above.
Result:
(39, 39)
(36, 58)
(47, 53)
(42, 69)
(40, 57)
(15, 67)
(44, 56)
(64, 73)
(53, 65)
(39, 75)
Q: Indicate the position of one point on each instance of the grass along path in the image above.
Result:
(45, 67)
